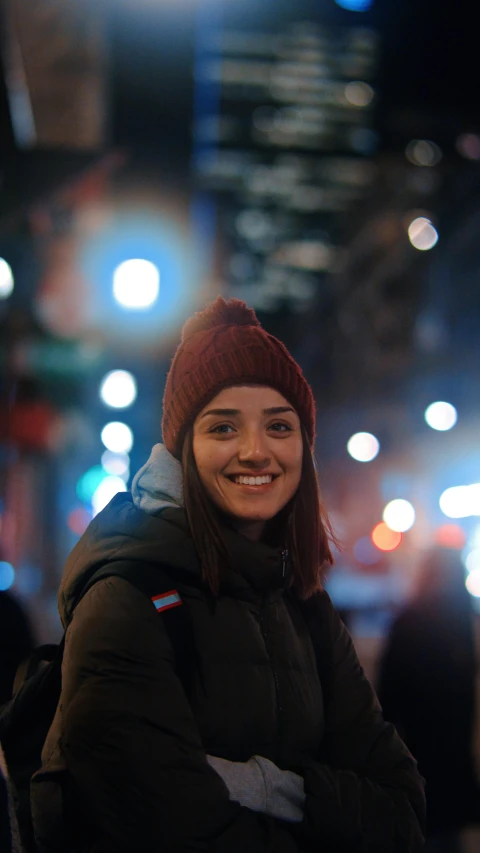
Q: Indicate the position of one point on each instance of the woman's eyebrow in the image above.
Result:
(278, 410)
(273, 410)
(221, 412)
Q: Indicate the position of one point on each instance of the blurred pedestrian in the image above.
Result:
(16, 641)
(427, 689)
(254, 751)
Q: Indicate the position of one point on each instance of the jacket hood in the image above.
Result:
(158, 485)
(150, 525)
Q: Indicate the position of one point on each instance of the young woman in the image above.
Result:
(253, 751)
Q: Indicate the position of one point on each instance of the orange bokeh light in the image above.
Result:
(450, 536)
(384, 538)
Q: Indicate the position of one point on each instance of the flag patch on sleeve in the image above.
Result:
(166, 600)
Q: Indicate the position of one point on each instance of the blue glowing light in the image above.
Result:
(163, 245)
(355, 5)
(7, 575)
(89, 483)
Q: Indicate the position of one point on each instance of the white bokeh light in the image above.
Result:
(422, 234)
(108, 488)
(461, 501)
(423, 152)
(363, 446)
(118, 389)
(116, 463)
(136, 284)
(6, 279)
(472, 583)
(399, 515)
(472, 560)
(358, 93)
(117, 437)
(441, 416)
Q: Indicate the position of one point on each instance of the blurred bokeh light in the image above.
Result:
(118, 389)
(423, 152)
(355, 5)
(108, 488)
(7, 575)
(385, 538)
(89, 482)
(6, 279)
(441, 416)
(399, 515)
(136, 284)
(143, 268)
(116, 463)
(117, 437)
(461, 501)
(422, 234)
(472, 582)
(358, 93)
(363, 446)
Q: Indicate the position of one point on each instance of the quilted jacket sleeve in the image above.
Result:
(368, 795)
(131, 743)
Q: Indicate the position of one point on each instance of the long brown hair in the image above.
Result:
(308, 537)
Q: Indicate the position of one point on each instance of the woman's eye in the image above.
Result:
(221, 429)
(280, 427)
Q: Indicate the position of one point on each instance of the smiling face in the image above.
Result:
(248, 448)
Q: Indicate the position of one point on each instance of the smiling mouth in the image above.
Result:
(246, 480)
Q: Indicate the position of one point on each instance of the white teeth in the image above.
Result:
(253, 481)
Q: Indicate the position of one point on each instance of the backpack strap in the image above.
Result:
(151, 579)
(154, 581)
(31, 664)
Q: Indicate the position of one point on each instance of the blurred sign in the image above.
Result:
(55, 73)
(53, 358)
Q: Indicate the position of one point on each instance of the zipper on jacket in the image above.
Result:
(278, 705)
(284, 562)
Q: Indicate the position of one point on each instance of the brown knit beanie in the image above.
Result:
(221, 346)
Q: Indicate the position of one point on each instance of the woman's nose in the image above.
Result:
(254, 447)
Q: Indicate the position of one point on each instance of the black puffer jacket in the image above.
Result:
(134, 744)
